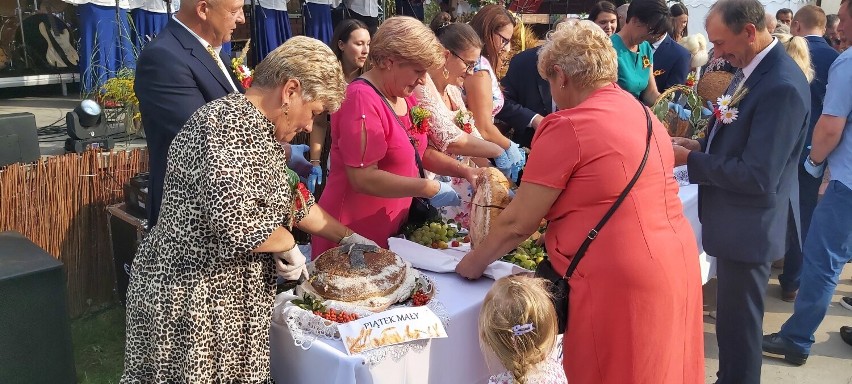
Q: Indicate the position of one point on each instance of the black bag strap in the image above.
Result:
(593, 234)
(410, 139)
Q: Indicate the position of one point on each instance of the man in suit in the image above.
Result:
(747, 171)
(671, 62)
(180, 70)
(827, 246)
(527, 97)
(809, 22)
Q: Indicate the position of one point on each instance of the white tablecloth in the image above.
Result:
(689, 197)
(456, 359)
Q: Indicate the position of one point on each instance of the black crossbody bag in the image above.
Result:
(421, 211)
(560, 288)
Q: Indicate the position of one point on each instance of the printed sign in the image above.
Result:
(390, 327)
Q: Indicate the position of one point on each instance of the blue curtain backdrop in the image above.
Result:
(273, 29)
(318, 22)
(146, 25)
(105, 45)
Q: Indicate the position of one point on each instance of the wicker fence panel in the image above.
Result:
(60, 204)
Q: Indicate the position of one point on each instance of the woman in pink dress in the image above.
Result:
(373, 174)
(645, 257)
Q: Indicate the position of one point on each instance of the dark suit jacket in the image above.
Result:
(748, 182)
(822, 55)
(671, 62)
(526, 94)
(175, 75)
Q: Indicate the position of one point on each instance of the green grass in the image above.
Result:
(99, 346)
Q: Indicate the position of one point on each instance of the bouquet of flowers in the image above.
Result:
(464, 120)
(244, 74)
(420, 119)
(242, 71)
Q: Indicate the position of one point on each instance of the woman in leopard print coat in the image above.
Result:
(203, 281)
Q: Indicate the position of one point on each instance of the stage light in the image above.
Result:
(88, 128)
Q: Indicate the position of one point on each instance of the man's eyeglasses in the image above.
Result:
(505, 40)
(469, 64)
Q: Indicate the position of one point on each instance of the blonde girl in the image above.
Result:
(517, 326)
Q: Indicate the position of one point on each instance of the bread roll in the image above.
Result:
(489, 199)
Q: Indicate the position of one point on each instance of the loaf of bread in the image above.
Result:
(490, 197)
(375, 279)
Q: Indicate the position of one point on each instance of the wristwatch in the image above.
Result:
(813, 163)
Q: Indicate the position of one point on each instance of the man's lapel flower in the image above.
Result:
(726, 106)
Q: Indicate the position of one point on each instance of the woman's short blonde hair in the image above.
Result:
(309, 61)
(406, 39)
(582, 50)
(518, 301)
(797, 48)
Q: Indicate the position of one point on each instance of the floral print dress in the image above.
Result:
(497, 98)
(445, 129)
(199, 305)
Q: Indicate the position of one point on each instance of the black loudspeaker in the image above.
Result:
(18, 139)
(35, 332)
(126, 229)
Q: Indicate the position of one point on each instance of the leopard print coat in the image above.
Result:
(200, 302)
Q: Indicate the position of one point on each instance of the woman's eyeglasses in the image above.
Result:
(505, 40)
(470, 65)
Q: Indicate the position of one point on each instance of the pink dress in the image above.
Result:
(363, 112)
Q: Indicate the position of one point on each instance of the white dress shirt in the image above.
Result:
(275, 5)
(123, 4)
(218, 49)
(657, 43)
(158, 6)
(369, 8)
(331, 3)
(748, 69)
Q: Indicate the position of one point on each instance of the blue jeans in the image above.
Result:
(808, 196)
(828, 246)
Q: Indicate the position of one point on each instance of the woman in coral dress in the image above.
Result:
(635, 302)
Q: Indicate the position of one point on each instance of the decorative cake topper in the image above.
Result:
(356, 254)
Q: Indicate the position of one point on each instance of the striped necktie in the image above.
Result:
(735, 82)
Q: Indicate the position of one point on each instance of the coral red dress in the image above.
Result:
(635, 303)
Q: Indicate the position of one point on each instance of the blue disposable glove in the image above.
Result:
(515, 172)
(298, 163)
(682, 113)
(814, 171)
(516, 155)
(314, 178)
(503, 163)
(446, 196)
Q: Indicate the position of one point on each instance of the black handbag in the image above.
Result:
(559, 287)
(421, 210)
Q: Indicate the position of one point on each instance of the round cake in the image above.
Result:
(370, 276)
